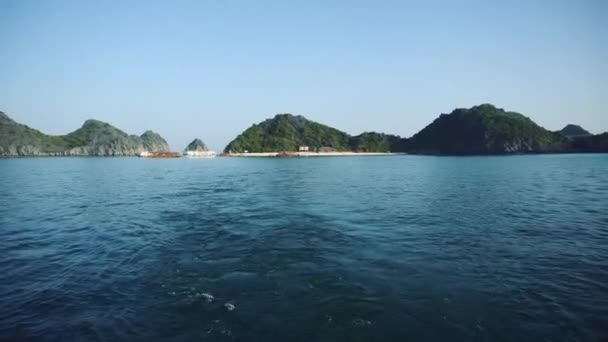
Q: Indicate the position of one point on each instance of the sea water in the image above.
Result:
(305, 249)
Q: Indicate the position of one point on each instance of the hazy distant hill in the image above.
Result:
(286, 132)
(94, 138)
(484, 129)
(197, 145)
(574, 131)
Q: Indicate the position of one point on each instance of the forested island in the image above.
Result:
(479, 130)
(286, 132)
(484, 129)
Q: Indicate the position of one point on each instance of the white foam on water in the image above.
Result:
(229, 306)
(208, 297)
(360, 322)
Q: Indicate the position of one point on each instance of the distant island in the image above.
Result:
(479, 130)
(287, 132)
(484, 129)
(198, 149)
(94, 138)
(574, 132)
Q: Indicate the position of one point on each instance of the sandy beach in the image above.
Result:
(313, 154)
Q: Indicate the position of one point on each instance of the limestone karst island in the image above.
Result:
(480, 130)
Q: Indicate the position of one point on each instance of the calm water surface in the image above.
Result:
(310, 249)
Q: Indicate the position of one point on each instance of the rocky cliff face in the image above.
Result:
(153, 142)
(94, 138)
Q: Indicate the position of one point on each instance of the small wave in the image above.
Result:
(208, 297)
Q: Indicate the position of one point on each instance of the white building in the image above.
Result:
(303, 148)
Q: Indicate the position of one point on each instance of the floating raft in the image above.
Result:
(286, 154)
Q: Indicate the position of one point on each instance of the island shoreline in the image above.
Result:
(309, 154)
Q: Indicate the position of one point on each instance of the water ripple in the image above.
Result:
(395, 248)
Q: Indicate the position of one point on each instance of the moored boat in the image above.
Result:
(198, 149)
(286, 154)
(147, 154)
(199, 154)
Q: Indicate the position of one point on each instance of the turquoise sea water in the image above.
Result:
(305, 249)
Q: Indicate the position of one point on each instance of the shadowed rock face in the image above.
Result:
(591, 143)
(94, 138)
(197, 145)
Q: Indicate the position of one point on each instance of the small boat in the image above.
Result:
(198, 149)
(199, 154)
(147, 154)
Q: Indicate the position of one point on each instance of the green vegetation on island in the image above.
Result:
(591, 143)
(377, 142)
(286, 132)
(583, 141)
(484, 129)
(479, 130)
(94, 138)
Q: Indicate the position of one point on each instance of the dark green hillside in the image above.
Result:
(377, 142)
(593, 143)
(484, 129)
(285, 132)
(574, 131)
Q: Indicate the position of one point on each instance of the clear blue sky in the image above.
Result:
(210, 69)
